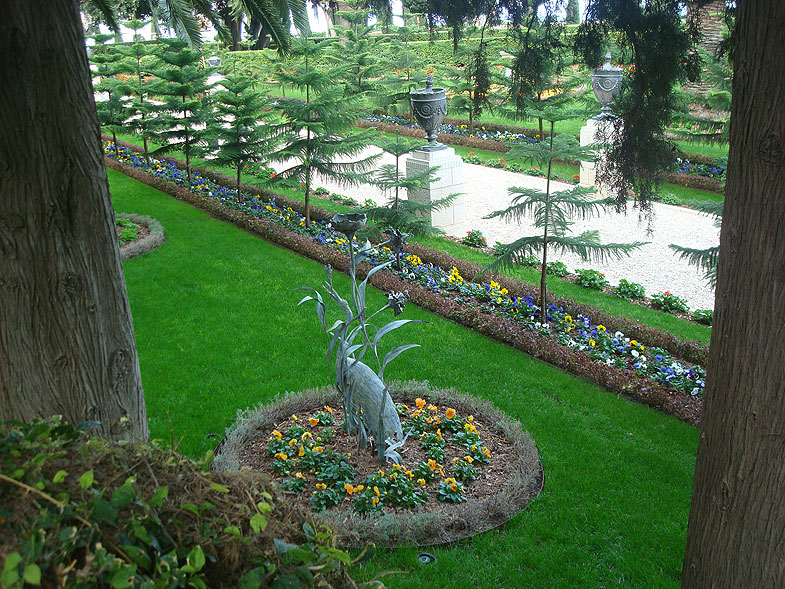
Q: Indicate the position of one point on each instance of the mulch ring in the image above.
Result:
(509, 480)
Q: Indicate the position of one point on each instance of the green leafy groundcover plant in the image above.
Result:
(285, 226)
(83, 511)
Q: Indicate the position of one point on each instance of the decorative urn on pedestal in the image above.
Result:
(429, 106)
(606, 83)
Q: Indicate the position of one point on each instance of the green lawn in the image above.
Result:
(218, 330)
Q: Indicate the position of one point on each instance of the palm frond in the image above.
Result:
(179, 16)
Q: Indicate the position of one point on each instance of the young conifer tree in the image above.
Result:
(183, 84)
(404, 72)
(401, 216)
(112, 111)
(138, 63)
(241, 137)
(553, 211)
(358, 53)
(317, 135)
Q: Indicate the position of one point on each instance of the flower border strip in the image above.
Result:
(687, 350)
(632, 385)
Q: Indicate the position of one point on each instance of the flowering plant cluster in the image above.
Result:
(614, 349)
(685, 166)
(474, 238)
(493, 298)
(301, 456)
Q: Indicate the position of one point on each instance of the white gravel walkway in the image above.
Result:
(654, 265)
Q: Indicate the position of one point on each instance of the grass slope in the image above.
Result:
(218, 330)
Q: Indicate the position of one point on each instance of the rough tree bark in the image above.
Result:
(66, 341)
(737, 517)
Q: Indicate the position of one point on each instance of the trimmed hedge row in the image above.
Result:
(688, 180)
(627, 383)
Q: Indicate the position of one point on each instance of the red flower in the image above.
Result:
(667, 292)
(471, 153)
(577, 176)
(501, 159)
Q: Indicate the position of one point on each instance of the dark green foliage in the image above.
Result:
(654, 38)
(236, 127)
(629, 290)
(357, 54)
(593, 279)
(471, 86)
(183, 86)
(402, 216)
(669, 303)
(704, 316)
(139, 108)
(402, 73)
(316, 137)
(112, 112)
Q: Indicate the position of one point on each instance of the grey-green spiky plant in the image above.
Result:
(367, 404)
(552, 212)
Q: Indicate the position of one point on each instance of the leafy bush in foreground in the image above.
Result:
(83, 511)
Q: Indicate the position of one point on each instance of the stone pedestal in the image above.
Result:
(596, 130)
(450, 181)
(589, 136)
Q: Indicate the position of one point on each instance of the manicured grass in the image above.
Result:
(218, 330)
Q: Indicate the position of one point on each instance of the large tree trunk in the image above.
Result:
(66, 341)
(737, 517)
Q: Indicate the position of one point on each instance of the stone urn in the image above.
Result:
(606, 83)
(429, 106)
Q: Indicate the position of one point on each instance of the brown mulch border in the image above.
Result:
(624, 382)
(521, 478)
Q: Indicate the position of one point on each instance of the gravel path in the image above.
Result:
(654, 265)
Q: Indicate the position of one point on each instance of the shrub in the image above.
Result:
(669, 303)
(576, 179)
(496, 163)
(557, 269)
(534, 171)
(515, 167)
(88, 512)
(474, 238)
(629, 290)
(591, 279)
(705, 316)
(472, 159)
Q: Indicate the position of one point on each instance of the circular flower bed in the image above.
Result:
(146, 235)
(465, 468)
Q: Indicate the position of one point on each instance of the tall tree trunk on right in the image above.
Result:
(66, 341)
(737, 516)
